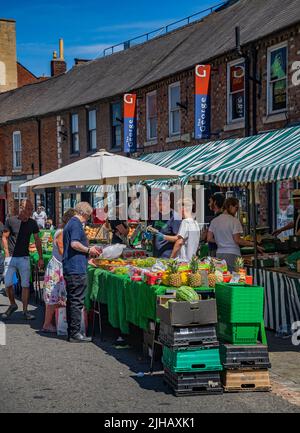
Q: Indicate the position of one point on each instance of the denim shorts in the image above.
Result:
(14, 264)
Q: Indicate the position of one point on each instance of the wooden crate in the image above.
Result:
(246, 381)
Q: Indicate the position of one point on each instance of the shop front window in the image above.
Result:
(174, 109)
(74, 134)
(116, 126)
(285, 207)
(236, 91)
(277, 79)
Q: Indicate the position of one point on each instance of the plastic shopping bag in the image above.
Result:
(62, 324)
(113, 251)
(61, 321)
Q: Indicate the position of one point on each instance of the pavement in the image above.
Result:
(41, 373)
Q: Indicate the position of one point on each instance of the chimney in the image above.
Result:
(58, 65)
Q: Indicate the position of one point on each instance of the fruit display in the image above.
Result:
(175, 276)
(91, 232)
(194, 278)
(212, 279)
(185, 293)
(144, 263)
(240, 269)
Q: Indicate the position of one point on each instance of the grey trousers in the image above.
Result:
(230, 260)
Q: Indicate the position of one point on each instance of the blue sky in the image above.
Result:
(87, 26)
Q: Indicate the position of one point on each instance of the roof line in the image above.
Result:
(24, 67)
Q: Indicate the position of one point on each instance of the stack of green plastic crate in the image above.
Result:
(240, 323)
(240, 312)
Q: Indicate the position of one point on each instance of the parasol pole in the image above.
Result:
(254, 223)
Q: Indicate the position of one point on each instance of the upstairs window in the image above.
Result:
(17, 151)
(174, 109)
(116, 125)
(74, 134)
(92, 127)
(151, 116)
(236, 91)
(277, 78)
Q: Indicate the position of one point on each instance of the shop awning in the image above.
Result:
(266, 157)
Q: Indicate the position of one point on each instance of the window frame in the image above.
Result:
(230, 120)
(15, 166)
(148, 118)
(112, 126)
(270, 111)
(171, 129)
(89, 130)
(73, 151)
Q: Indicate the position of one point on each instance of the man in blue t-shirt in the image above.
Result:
(75, 257)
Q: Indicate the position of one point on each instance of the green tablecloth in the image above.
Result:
(128, 301)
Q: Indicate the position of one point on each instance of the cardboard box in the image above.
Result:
(188, 313)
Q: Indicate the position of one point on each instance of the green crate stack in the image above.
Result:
(240, 312)
(195, 369)
(240, 319)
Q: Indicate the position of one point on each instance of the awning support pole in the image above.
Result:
(253, 208)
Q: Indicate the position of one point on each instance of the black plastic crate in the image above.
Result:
(189, 336)
(244, 357)
(184, 384)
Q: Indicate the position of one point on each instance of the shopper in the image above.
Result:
(294, 225)
(216, 203)
(226, 230)
(168, 223)
(118, 226)
(186, 241)
(54, 283)
(16, 238)
(76, 251)
(40, 217)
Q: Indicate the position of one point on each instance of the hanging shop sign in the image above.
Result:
(130, 132)
(202, 101)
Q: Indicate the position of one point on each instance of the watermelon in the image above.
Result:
(185, 293)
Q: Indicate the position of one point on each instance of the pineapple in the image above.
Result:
(240, 269)
(194, 277)
(212, 279)
(174, 276)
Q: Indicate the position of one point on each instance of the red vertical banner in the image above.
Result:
(202, 101)
(130, 123)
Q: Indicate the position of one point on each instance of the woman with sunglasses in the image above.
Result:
(226, 231)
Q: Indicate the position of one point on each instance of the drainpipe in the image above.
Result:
(39, 145)
(254, 89)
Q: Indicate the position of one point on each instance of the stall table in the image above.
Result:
(282, 296)
(128, 301)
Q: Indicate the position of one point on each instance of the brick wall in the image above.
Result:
(25, 77)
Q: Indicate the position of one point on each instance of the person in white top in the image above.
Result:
(40, 217)
(226, 231)
(186, 242)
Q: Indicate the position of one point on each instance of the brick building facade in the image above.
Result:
(69, 133)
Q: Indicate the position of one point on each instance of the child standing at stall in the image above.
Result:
(54, 284)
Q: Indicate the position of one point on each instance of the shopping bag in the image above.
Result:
(61, 321)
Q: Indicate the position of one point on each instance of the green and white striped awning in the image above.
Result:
(266, 157)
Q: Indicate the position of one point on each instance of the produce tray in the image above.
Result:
(192, 360)
(176, 337)
(251, 380)
(240, 303)
(244, 357)
(238, 333)
(184, 384)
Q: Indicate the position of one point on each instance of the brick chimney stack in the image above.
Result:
(58, 65)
